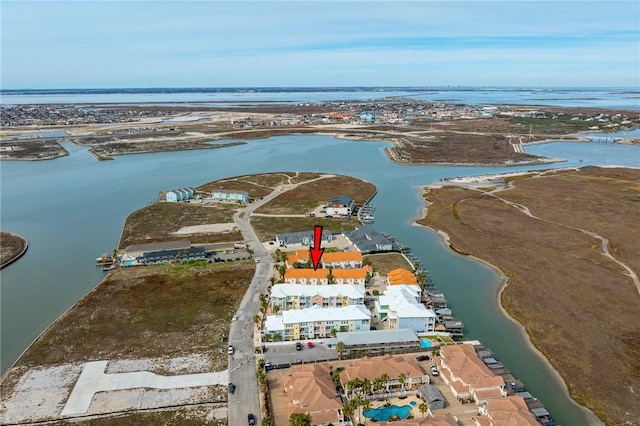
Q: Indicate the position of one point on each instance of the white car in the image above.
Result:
(230, 350)
(235, 318)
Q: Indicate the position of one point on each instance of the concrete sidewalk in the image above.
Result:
(93, 380)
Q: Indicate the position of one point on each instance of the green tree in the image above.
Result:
(266, 421)
(261, 363)
(275, 309)
(267, 337)
(257, 319)
(423, 407)
(340, 348)
(300, 419)
(366, 405)
(366, 260)
(385, 379)
(277, 337)
(348, 409)
(402, 378)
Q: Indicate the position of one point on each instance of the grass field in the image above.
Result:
(152, 311)
(593, 315)
(156, 222)
(173, 417)
(385, 262)
(308, 196)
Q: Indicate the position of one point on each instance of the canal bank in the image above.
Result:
(58, 270)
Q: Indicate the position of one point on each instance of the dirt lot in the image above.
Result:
(267, 227)
(11, 246)
(385, 262)
(592, 320)
(257, 185)
(33, 150)
(191, 416)
(162, 310)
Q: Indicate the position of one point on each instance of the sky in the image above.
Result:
(111, 44)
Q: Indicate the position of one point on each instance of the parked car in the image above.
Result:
(310, 344)
(434, 371)
(252, 419)
(231, 387)
(230, 350)
(298, 346)
(235, 318)
(422, 358)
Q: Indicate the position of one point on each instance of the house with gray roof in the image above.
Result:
(299, 239)
(367, 240)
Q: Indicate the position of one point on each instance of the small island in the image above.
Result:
(12, 247)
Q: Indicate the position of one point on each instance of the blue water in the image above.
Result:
(382, 414)
(425, 343)
(623, 98)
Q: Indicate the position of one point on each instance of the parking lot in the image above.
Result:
(286, 353)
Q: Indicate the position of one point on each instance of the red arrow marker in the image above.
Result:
(316, 251)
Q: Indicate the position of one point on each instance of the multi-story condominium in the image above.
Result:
(400, 306)
(294, 296)
(325, 276)
(467, 376)
(336, 260)
(317, 322)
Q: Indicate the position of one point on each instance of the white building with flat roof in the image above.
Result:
(296, 296)
(400, 306)
(317, 322)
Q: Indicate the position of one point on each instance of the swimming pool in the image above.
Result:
(382, 414)
(425, 343)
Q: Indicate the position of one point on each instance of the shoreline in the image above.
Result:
(594, 420)
(17, 255)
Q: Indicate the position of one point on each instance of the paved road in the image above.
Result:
(242, 363)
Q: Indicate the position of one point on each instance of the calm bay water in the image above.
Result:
(72, 210)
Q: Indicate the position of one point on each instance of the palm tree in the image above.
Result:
(423, 407)
(358, 402)
(402, 378)
(385, 379)
(366, 405)
(257, 319)
(348, 409)
(275, 309)
(277, 337)
(340, 348)
(300, 419)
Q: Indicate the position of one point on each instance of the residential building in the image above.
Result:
(304, 238)
(306, 276)
(342, 205)
(166, 256)
(433, 397)
(317, 322)
(295, 296)
(392, 366)
(376, 342)
(400, 307)
(339, 259)
(367, 240)
(508, 411)
(137, 250)
(467, 376)
(176, 195)
(309, 276)
(437, 420)
(309, 389)
(230, 195)
(401, 276)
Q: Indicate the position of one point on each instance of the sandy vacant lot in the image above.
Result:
(580, 307)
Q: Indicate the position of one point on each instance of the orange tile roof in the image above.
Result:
(401, 276)
(342, 256)
(310, 390)
(371, 368)
(465, 364)
(437, 420)
(509, 411)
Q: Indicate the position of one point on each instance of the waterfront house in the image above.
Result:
(367, 240)
(136, 250)
(230, 195)
(304, 238)
(511, 410)
(400, 307)
(166, 256)
(294, 296)
(467, 376)
(317, 322)
(175, 195)
(309, 389)
(349, 276)
(341, 205)
(306, 276)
